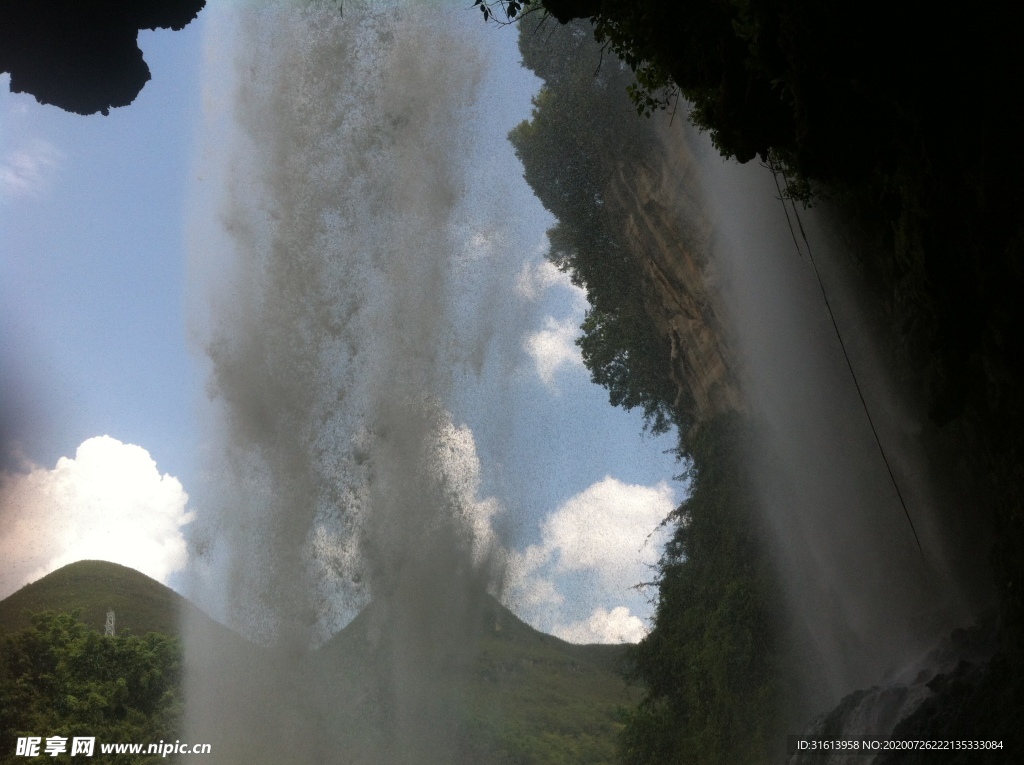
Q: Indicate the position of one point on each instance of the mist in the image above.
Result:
(336, 336)
(866, 601)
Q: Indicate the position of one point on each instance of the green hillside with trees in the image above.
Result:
(526, 699)
(61, 676)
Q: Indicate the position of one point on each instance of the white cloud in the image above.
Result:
(606, 528)
(554, 347)
(26, 171)
(538, 276)
(603, 626)
(610, 530)
(109, 503)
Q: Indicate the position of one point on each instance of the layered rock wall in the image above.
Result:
(669, 232)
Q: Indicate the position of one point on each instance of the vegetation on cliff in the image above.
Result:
(711, 665)
(568, 159)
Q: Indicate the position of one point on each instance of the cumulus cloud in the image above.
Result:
(554, 347)
(26, 171)
(603, 626)
(610, 530)
(109, 502)
(536, 277)
(606, 528)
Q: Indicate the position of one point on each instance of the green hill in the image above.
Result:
(539, 699)
(526, 697)
(140, 604)
(517, 696)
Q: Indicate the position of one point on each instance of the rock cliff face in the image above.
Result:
(83, 56)
(669, 232)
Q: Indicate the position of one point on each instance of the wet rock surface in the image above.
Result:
(960, 691)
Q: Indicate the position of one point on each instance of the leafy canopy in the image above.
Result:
(60, 678)
(712, 664)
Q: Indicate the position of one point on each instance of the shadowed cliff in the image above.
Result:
(83, 56)
(792, 577)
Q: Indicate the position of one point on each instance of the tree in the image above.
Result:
(60, 678)
(712, 665)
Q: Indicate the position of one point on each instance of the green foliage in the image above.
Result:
(570, 159)
(630, 362)
(712, 662)
(60, 678)
(537, 700)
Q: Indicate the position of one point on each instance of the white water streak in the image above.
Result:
(335, 347)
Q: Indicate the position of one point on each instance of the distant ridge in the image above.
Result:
(502, 630)
(529, 697)
(141, 604)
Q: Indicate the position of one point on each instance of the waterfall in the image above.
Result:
(336, 335)
(865, 601)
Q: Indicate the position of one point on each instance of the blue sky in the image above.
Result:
(98, 340)
(92, 276)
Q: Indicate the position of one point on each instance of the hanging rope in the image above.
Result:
(849, 365)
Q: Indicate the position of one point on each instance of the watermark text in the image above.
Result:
(78, 746)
